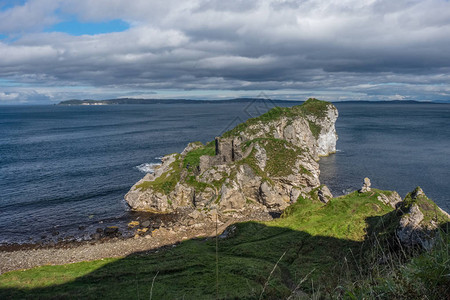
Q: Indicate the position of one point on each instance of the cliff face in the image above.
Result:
(263, 164)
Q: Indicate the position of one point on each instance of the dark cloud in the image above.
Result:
(350, 49)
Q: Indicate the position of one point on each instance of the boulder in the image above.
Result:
(392, 199)
(409, 230)
(231, 197)
(366, 186)
(195, 214)
(205, 197)
(111, 231)
(145, 223)
(324, 194)
(96, 236)
(294, 194)
(419, 221)
(260, 156)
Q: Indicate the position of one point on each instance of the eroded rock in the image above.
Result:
(324, 194)
(419, 221)
(392, 199)
(366, 186)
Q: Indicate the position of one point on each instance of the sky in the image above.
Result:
(53, 50)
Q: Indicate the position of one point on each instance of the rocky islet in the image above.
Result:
(259, 168)
(262, 164)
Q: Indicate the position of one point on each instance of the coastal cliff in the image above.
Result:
(263, 164)
(368, 244)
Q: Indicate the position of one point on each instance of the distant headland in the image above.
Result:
(131, 101)
(165, 101)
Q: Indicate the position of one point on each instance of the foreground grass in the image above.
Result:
(426, 275)
(314, 248)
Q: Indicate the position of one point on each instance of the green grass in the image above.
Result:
(281, 156)
(193, 157)
(312, 107)
(416, 275)
(198, 185)
(343, 217)
(54, 275)
(251, 161)
(315, 129)
(315, 107)
(167, 181)
(311, 237)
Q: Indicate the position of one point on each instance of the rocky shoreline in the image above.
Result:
(190, 224)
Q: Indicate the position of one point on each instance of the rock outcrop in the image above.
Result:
(392, 199)
(366, 186)
(263, 164)
(419, 221)
(324, 194)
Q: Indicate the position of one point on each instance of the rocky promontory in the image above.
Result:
(263, 164)
(261, 167)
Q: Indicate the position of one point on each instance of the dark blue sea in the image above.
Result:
(64, 170)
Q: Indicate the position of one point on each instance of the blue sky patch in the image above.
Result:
(7, 4)
(75, 27)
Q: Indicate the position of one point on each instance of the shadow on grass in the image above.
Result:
(188, 270)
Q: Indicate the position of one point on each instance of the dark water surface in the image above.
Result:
(66, 166)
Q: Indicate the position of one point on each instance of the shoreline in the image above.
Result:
(99, 231)
(26, 256)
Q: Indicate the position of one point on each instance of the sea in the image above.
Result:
(64, 170)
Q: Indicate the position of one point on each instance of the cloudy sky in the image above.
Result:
(52, 50)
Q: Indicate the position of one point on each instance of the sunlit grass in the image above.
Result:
(45, 276)
(313, 237)
(343, 217)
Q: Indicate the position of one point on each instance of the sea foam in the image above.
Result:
(147, 167)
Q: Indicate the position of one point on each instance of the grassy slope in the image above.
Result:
(323, 239)
(314, 107)
(425, 276)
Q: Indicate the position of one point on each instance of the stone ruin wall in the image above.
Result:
(227, 150)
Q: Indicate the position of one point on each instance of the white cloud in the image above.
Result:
(8, 96)
(347, 46)
(33, 16)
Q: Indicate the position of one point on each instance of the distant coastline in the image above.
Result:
(120, 101)
(166, 101)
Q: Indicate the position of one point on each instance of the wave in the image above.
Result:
(147, 167)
